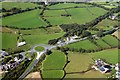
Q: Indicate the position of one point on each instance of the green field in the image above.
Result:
(78, 15)
(41, 38)
(9, 40)
(52, 74)
(102, 44)
(110, 55)
(22, 5)
(30, 19)
(104, 24)
(111, 40)
(56, 60)
(53, 65)
(83, 45)
(83, 15)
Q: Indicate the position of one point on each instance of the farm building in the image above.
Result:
(102, 66)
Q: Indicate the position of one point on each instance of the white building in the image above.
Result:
(21, 44)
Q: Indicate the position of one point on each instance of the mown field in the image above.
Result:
(53, 65)
(30, 19)
(81, 62)
(22, 5)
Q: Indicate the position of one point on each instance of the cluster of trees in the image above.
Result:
(15, 27)
(53, 41)
(16, 11)
(66, 15)
(16, 72)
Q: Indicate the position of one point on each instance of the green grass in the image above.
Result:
(83, 44)
(53, 74)
(78, 15)
(9, 40)
(30, 19)
(54, 13)
(110, 55)
(39, 48)
(41, 38)
(56, 60)
(111, 40)
(83, 15)
(22, 5)
(102, 44)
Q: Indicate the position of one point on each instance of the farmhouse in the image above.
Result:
(102, 66)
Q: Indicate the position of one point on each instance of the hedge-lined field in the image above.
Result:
(83, 15)
(56, 60)
(102, 44)
(86, 44)
(22, 5)
(78, 15)
(53, 65)
(110, 55)
(30, 19)
(110, 40)
(9, 40)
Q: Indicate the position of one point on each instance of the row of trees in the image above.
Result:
(16, 11)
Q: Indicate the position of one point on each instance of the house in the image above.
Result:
(102, 66)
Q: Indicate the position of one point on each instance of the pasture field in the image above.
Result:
(9, 40)
(52, 74)
(30, 19)
(110, 55)
(66, 5)
(22, 5)
(41, 38)
(102, 44)
(83, 45)
(111, 40)
(104, 24)
(56, 60)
